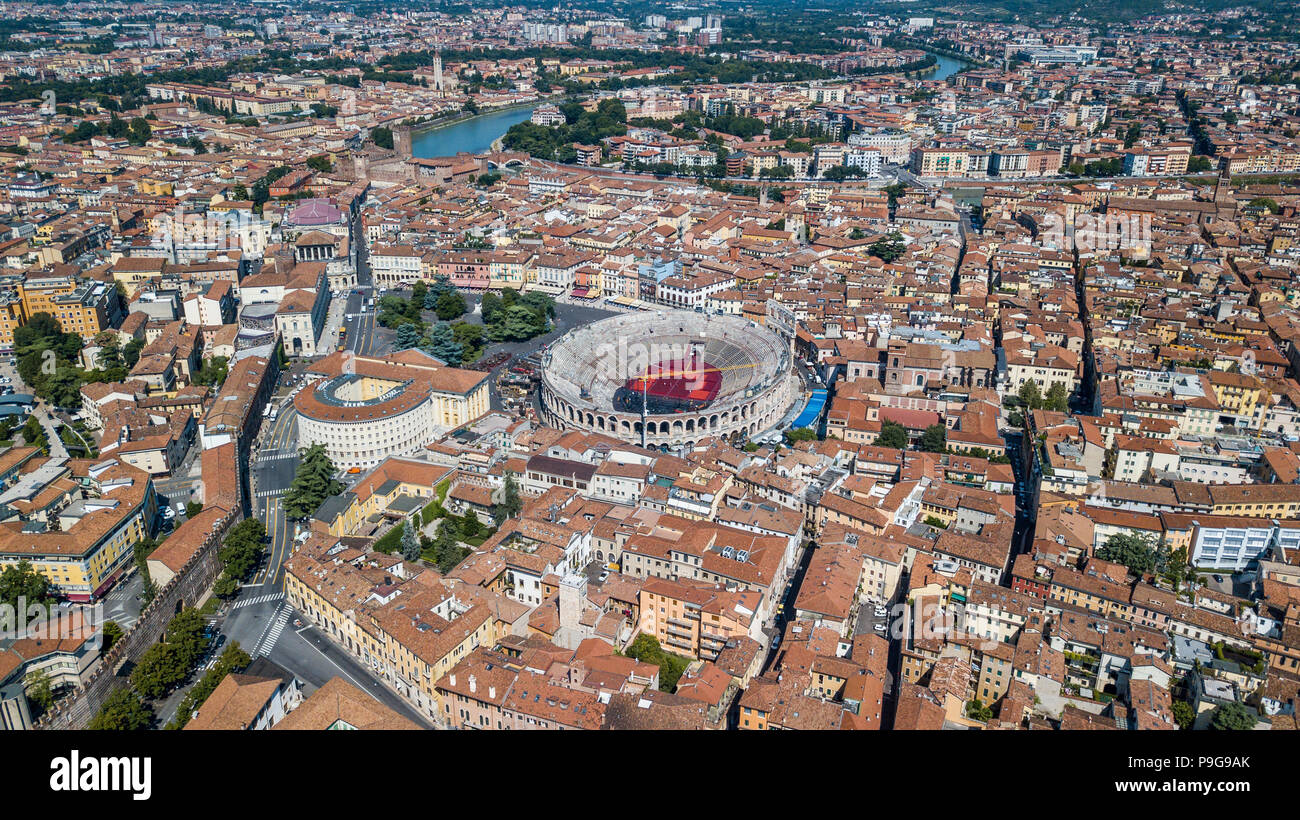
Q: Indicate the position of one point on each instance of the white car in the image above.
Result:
(168, 512)
(879, 627)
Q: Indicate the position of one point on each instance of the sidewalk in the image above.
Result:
(57, 450)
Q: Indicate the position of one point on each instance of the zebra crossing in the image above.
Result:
(272, 635)
(272, 493)
(261, 599)
(277, 455)
(117, 612)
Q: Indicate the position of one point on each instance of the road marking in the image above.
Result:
(278, 457)
(272, 493)
(335, 664)
(261, 599)
(272, 634)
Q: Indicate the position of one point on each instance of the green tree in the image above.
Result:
(240, 553)
(1131, 549)
(889, 248)
(1175, 569)
(451, 305)
(408, 336)
(40, 689)
(1233, 717)
(471, 339)
(185, 631)
(112, 634)
(142, 550)
(131, 353)
(122, 711)
(382, 137)
(138, 132)
(892, 434)
(34, 434)
(646, 648)
(801, 434)
(934, 439)
(1030, 396)
(1184, 714)
(490, 307)
(976, 710)
(23, 581)
(1057, 399)
(510, 504)
(312, 483)
(110, 352)
(410, 542)
(159, 670)
(469, 525)
(213, 371)
(443, 345)
(233, 659)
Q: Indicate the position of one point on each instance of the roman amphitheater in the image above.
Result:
(690, 375)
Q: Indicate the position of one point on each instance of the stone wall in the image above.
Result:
(187, 588)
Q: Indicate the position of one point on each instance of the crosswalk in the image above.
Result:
(272, 493)
(261, 599)
(277, 455)
(116, 611)
(272, 635)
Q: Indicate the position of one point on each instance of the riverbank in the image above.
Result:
(439, 124)
(470, 134)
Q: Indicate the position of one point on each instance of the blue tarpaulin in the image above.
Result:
(812, 410)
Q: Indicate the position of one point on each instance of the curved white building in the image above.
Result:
(365, 409)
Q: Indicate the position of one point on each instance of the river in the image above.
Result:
(946, 67)
(474, 135)
(477, 134)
